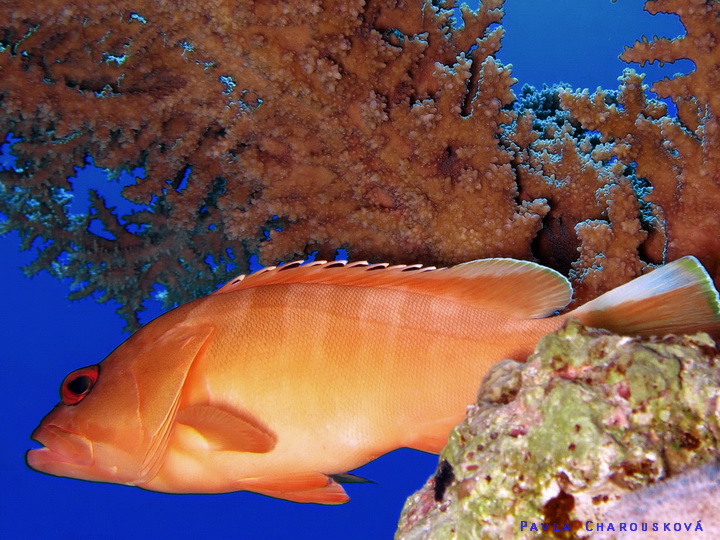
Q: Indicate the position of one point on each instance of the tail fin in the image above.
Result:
(677, 298)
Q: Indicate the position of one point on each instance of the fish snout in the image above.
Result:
(61, 450)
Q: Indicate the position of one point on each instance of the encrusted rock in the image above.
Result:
(553, 443)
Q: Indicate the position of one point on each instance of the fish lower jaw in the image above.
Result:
(62, 452)
(44, 459)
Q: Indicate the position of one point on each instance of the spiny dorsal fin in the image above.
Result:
(519, 288)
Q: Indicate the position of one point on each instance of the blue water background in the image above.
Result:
(44, 336)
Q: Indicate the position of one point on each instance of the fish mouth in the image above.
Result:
(62, 450)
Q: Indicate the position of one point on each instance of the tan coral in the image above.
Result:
(610, 250)
(679, 157)
(279, 129)
(593, 231)
(308, 125)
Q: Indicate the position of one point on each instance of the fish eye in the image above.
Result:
(78, 384)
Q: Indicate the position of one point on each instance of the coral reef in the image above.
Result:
(554, 442)
(373, 125)
(679, 157)
(594, 208)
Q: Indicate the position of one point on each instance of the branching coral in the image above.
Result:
(679, 157)
(371, 125)
(378, 125)
(594, 206)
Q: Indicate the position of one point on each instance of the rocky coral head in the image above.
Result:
(556, 441)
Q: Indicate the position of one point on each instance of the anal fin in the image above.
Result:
(311, 487)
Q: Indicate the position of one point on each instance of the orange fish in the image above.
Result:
(282, 381)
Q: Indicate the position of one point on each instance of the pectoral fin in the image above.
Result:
(225, 430)
(310, 487)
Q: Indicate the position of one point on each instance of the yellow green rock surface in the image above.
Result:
(554, 443)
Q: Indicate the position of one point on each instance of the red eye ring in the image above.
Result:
(78, 384)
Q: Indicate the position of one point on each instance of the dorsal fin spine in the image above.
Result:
(518, 288)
